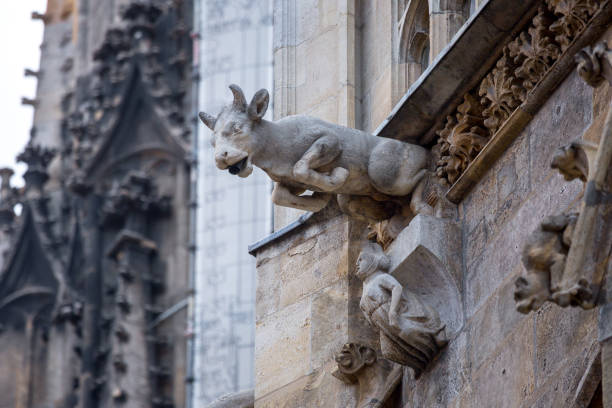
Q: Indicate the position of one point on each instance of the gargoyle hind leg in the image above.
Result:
(322, 152)
(283, 196)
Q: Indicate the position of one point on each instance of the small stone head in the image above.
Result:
(352, 359)
(233, 131)
(371, 259)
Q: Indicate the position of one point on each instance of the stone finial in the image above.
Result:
(37, 158)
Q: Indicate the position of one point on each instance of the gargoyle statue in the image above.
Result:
(411, 332)
(302, 153)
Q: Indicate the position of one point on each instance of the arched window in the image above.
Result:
(414, 41)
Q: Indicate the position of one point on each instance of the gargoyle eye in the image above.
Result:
(236, 129)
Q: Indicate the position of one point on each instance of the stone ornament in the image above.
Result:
(376, 378)
(411, 332)
(370, 176)
(525, 61)
(563, 265)
(544, 256)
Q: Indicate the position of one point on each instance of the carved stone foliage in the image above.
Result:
(571, 17)
(411, 332)
(462, 139)
(524, 62)
(376, 378)
(500, 92)
(534, 51)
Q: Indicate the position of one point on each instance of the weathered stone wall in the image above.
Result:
(501, 357)
(307, 299)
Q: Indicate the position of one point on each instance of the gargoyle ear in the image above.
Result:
(208, 120)
(259, 105)
(239, 99)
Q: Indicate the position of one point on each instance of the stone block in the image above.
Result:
(268, 287)
(282, 347)
(507, 378)
(573, 383)
(329, 323)
(492, 323)
(317, 389)
(313, 265)
(561, 333)
(442, 382)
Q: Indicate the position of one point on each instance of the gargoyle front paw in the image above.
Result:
(338, 177)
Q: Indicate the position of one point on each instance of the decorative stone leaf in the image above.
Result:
(498, 93)
(572, 17)
(534, 52)
(461, 139)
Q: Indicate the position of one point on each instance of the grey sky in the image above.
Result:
(20, 38)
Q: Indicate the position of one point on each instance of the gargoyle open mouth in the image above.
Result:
(238, 167)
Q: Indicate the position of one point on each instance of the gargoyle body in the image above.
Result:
(302, 153)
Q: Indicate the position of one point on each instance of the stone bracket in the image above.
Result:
(426, 257)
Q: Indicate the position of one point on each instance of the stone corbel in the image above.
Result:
(376, 378)
(563, 263)
(410, 293)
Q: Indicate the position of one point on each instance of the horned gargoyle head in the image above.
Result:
(233, 139)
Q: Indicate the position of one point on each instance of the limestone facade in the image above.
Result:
(496, 97)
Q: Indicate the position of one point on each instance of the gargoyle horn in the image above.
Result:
(208, 120)
(239, 99)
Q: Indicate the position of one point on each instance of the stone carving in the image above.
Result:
(498, 92)
(594, 64)
(411, 332)
(572, 16)
(562, 263)
(302, 153)
(524, 63)
(544, 256)
(572, 161)
(534, 51)
(461, 140)
(377, 379)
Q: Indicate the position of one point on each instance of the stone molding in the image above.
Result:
(531, 66)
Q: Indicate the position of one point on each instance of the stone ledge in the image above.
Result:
(453, 73)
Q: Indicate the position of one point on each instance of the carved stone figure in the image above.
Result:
(411, 332)
(303, 153)
(376, 378)
(544, 256)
